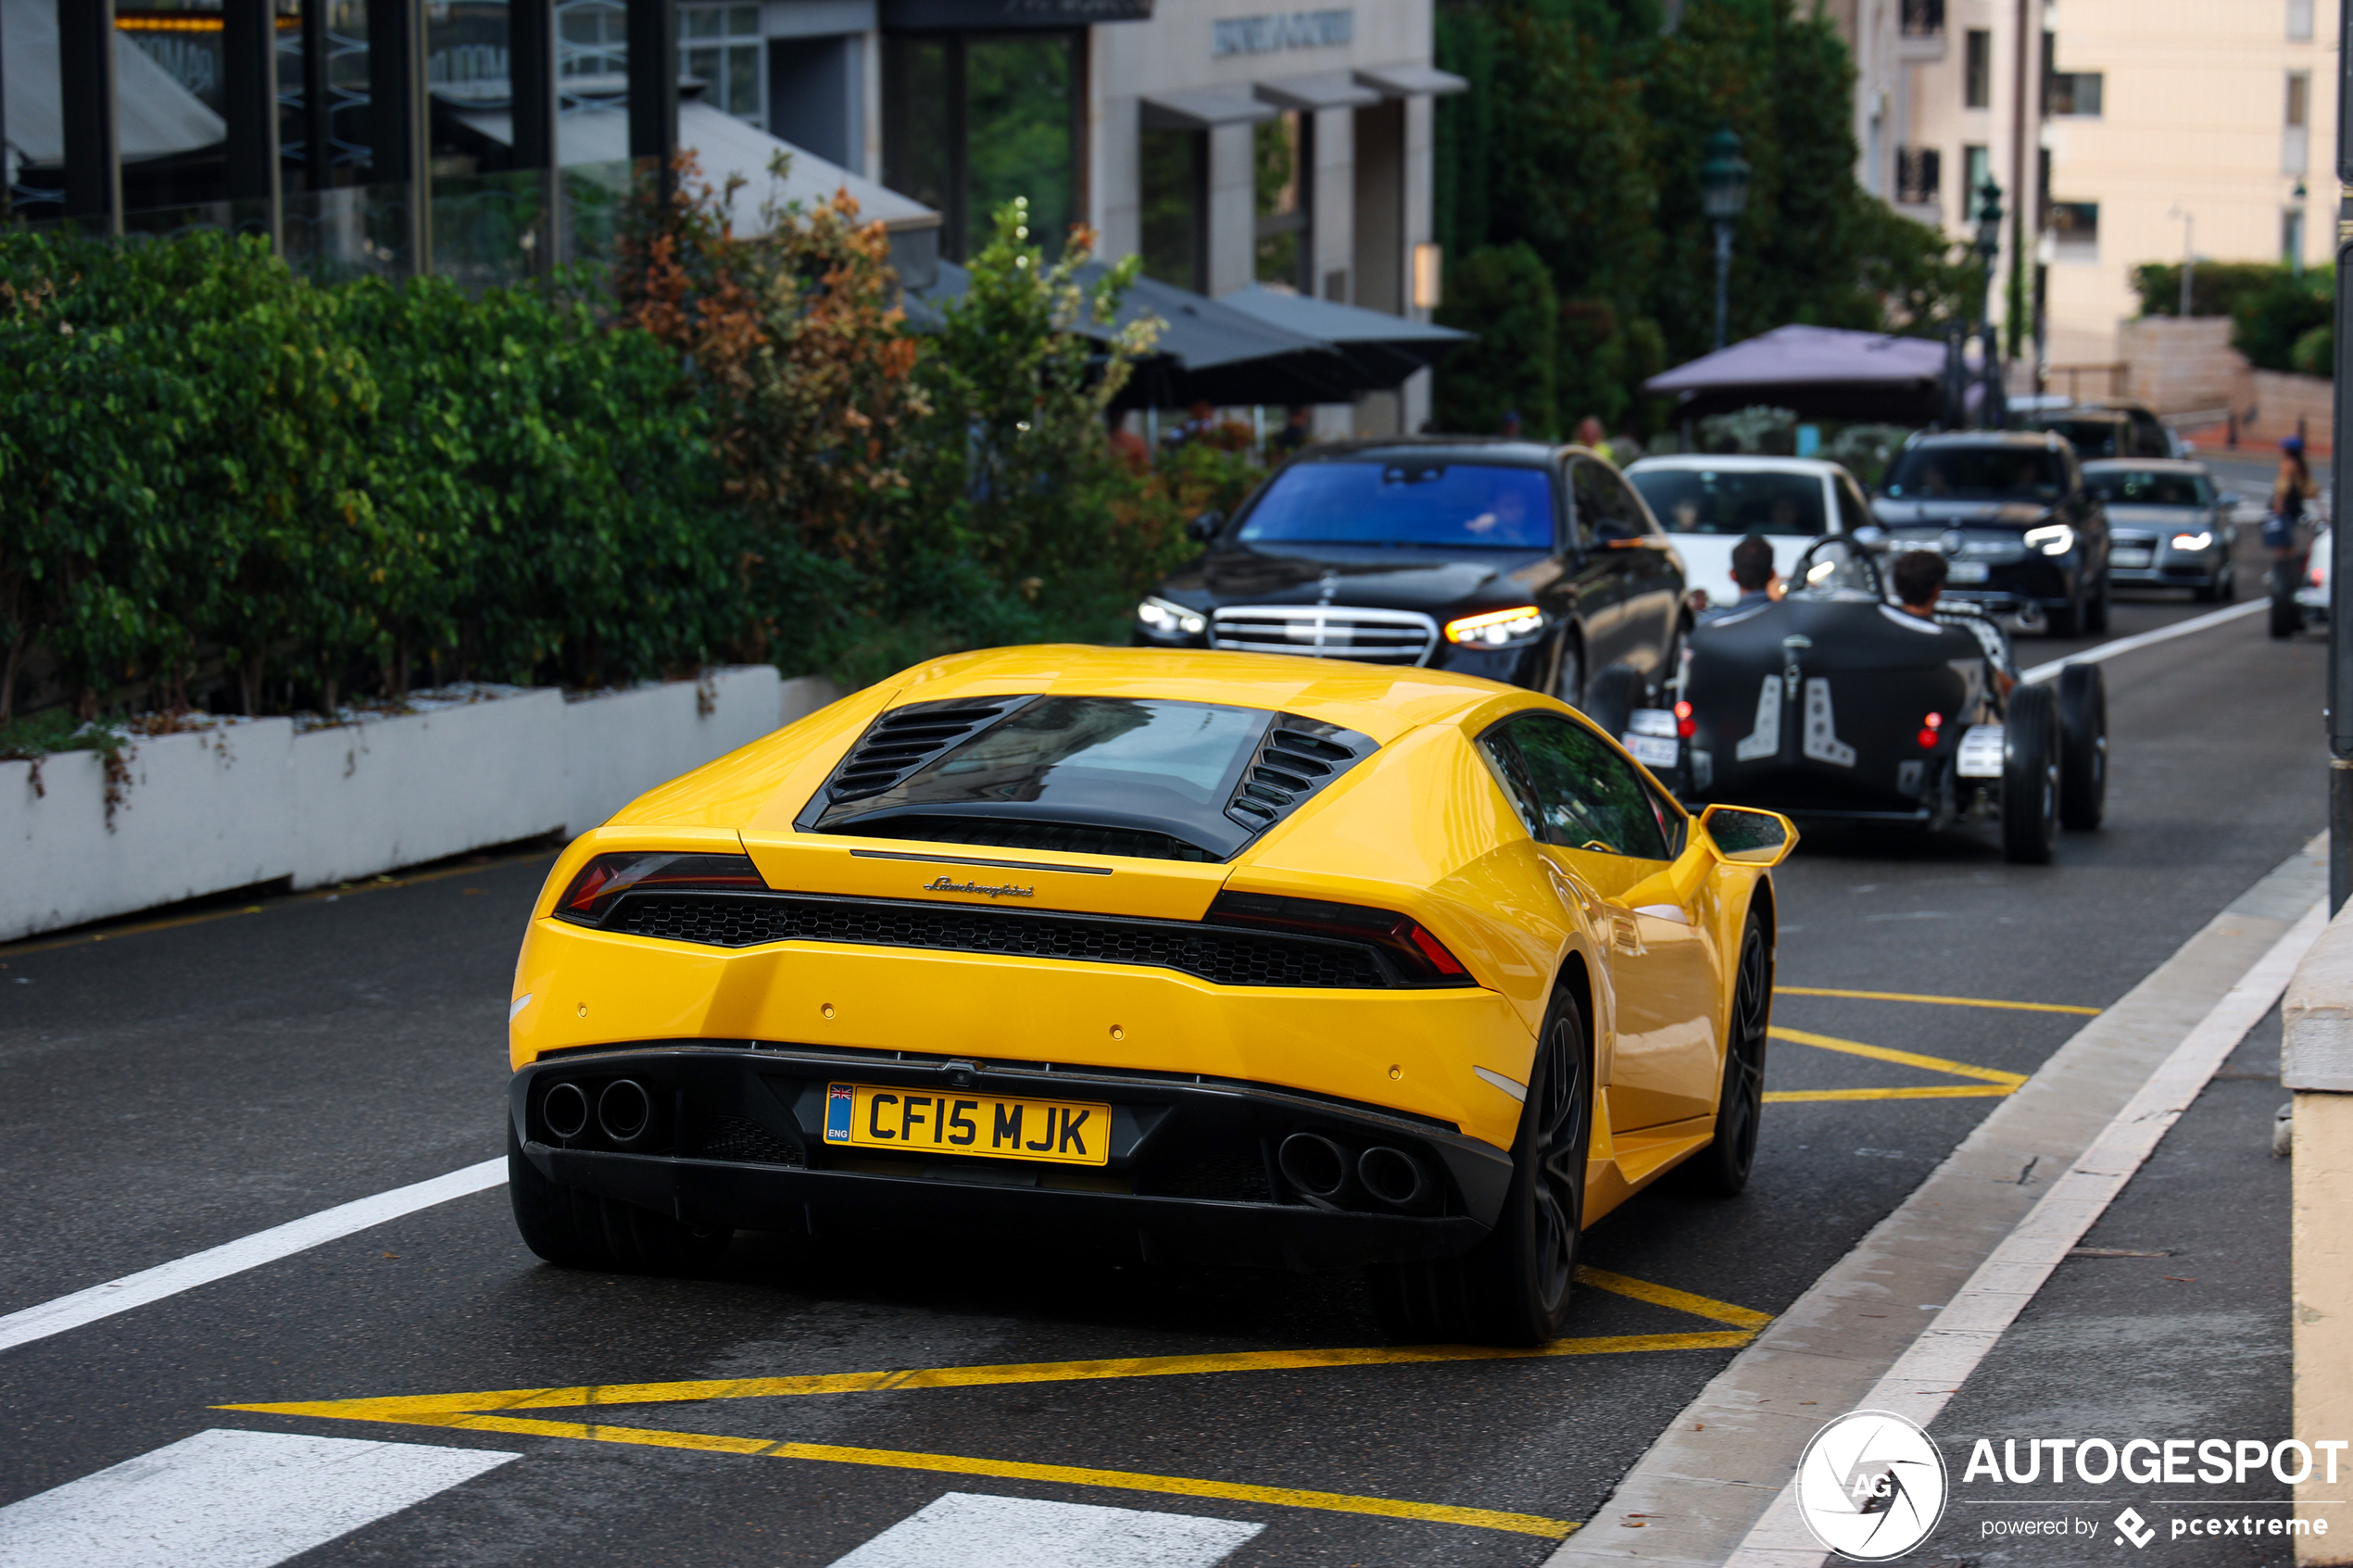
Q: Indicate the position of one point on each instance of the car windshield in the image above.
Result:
(1148, 764)
(1731, 501)
(1976, 473)
(2092, 438)
(2149, 487)
(1432, 504)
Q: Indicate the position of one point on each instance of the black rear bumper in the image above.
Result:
(735, 1142)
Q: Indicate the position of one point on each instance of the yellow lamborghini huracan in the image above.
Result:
(1225, 957)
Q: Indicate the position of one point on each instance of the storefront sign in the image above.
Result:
(901, 16)
(1265, 35)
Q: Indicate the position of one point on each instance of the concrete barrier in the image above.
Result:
(2316, 1061)
(255, 800)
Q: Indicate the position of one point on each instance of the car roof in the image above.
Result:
(1383, 701)
(2157, 465)
(2020, 440)
(1514, 451)
(1738, 462)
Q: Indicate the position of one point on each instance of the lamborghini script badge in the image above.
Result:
(1003, 890)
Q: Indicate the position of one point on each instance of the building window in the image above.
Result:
(2074, 93)
(1924, 18)
(2291, 234)
(1977, 70)
(718, 47)
(1283, 167)
(592, 46)
(2296, 136)
(1919, 176)
(1172, 184)
(2299, 22)
(971, 120)
(2075, 231)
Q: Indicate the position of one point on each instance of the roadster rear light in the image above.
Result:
(1418, 956)
(1929, 728)
(1685, 725)
(603, 881)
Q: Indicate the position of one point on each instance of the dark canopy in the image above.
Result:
(1384, 350)
(1818, 372)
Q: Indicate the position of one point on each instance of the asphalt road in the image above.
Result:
(178, 1088)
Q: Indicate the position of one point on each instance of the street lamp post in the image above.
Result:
(1989, 245)
(1723, 188)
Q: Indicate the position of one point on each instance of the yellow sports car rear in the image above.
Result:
(1211, 956)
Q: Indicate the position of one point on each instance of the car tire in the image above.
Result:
(1513, 1287)
(2082, 705)
(581, 1230)
(1568, 672)
(1722, 1168)
(2095, 609)
(2031, 777)
(1613, 696)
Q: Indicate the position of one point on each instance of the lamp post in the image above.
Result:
(1723, 190)
(1989, 245)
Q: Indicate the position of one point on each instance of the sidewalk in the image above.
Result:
(2193, 1344)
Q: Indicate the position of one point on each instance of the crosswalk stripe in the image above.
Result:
(228, 1499)
(973, 1531)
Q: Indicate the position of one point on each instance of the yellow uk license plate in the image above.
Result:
(873, 1116)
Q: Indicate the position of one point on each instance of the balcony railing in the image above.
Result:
(1919, 176)
(1924, 18)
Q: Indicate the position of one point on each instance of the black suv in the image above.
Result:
(1522, 562)
(2009, 511)
(2103, 430)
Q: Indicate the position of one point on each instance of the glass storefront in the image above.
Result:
(971, 120)
(1173, 191)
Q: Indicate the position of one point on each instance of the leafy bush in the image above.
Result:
(2270, 322)
(2217, 288)
(1503, 293)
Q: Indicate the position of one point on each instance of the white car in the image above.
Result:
(1709, 504)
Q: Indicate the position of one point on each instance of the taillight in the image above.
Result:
(1685, 725)
(1929, 727)
(1421, 958)
(603, 881)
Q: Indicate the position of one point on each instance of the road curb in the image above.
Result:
(1694, 1496)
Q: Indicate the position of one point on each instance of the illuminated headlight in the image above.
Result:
(2192, 541)
(2052, 539)
(1170, 620)
(1498, 628)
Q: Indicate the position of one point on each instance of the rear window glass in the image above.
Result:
(1726, 501)
(1114, 761)
(2092, 438)
(1405, 502)
(2149, 487)
(1977, 474)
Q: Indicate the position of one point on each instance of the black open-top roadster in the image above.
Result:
(1835, 705)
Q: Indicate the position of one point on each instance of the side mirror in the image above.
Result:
(1749, 837)
(1203, 527)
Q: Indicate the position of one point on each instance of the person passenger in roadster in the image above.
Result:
(1917, 577)
(1753, 574)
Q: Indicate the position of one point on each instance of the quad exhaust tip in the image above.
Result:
(1314, 1164)
(624, 1110)
(1392, 1177)
(565, 1110)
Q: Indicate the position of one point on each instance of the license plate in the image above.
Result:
(871, 1116)
(1651, 751)
(1966, 572)
(2129, 557)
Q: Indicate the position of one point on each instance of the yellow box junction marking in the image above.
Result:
(492, 1411)
(1935, 1001)
(1993, 1083)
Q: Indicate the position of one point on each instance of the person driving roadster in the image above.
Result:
(1917, 577)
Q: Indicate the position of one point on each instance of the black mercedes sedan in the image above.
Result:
(2024, 537)
(1526, 563)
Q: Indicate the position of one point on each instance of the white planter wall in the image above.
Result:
(255, 801)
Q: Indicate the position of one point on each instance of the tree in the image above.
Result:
(1505, 295)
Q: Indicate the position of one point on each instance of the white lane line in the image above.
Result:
(228, 1499)
(973, 1531)
(2148, 639)
(246, 1253)
(1928, 1375)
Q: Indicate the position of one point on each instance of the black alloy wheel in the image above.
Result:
(1722, 1168)
(1568, 672)
(2082, 703)
(579, 1230)
(2031, 777)
(1513, 1288)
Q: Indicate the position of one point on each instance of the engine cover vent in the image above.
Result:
(1297, 757)
(905, 738)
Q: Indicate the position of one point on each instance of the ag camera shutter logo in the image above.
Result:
(1872, 1485)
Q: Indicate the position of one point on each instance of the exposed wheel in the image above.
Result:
(2082, 705)
(581, 1230)
(1568, 679)
(1612, 697)
(2031, 777)
(1723, 1166)
(1513, 1287)
(2095, 609)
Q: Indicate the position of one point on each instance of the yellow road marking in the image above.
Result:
(1940, 1091)
(486, 1411)
(1907, 1058)
(1939, 1001)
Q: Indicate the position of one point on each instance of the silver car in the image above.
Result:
(2168, 526)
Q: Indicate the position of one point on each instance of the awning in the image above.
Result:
(995, 16)
(1412, 81)
(1203, 108)
(1820, 372)
(1325, 90)
(1385, 349)
(155, 116)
